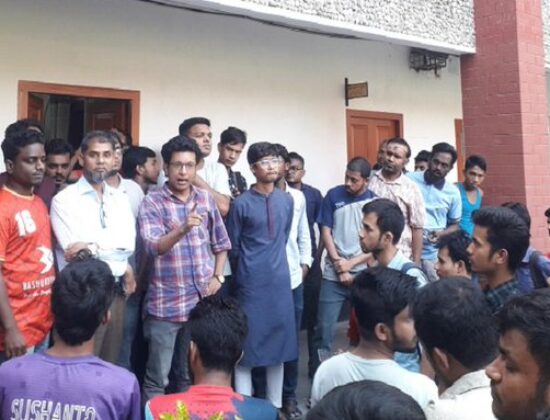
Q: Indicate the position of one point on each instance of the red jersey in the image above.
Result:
(27, 263)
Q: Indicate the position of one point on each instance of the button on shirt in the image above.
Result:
(406, 194)
(443, 207)
(79, 215)
(181, 275)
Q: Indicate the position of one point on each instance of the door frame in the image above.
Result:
(350, 113)
(26, 87)
(460, 149)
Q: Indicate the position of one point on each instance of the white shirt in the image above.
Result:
(298, 246)
(134, 193)
(468, 398)
(215, 175)
(347, 367)
(77, 215)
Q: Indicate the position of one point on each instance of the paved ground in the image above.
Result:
(304, 384)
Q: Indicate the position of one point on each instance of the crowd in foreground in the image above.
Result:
(198, 285)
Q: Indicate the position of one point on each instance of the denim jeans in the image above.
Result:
(331, 298)
(290, 382)
(168, 345)
(131, 321)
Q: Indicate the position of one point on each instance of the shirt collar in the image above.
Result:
(466, 383)
(398, 180)
(437, 184)
(169, 194)
(395, 262)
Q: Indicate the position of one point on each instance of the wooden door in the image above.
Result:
(460, 150)
(107, 114)
(36, 108)
(366, 130)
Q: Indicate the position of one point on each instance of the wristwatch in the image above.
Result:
(220, 278)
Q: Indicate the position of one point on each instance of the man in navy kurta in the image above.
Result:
(258, 226)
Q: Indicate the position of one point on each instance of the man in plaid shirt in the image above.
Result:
(183, 231)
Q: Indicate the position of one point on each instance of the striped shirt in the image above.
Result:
(180, 277)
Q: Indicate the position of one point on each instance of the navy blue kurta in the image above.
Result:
(258, 227)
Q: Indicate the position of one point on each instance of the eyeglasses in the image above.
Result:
(102, 215)
(178, 166)
(264, 163)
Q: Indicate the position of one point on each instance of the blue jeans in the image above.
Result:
(290, 382)
(331, 298)
(131, 320)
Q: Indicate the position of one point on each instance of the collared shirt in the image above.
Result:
(237, 182)
(498, 296)
(443, 207)
(180, 276)
(468, 398)
(79, 215)
(298, 246)
(314, 201)
(399, 260)
(406, 194)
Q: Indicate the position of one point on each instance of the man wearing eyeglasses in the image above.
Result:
(90, 217)
(183, 232)
(259, 224)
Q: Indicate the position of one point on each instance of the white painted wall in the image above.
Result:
(277, 84)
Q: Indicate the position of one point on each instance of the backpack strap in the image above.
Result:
(407, 266)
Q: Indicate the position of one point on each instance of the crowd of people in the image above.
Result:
(127, 293)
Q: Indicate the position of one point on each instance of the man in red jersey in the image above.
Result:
(26, 259)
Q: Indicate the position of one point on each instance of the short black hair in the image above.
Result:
(444, 148)
(179, 144)
(133, 157)
(259, 150)
(423, 156)
(453, 315)
(58, 147)
(378, 294)
(366, 400)
(547, 212)
(296, 156)
(233, 135)
(457, 243)
(505, 230)
(101, 136)
(402, 142)
(530, 315)
(81, 297)
(23, 125)
(476, 160)
(17, 140)
(218, 326)
(282, 151)
(186, 125)
(521, 210)
(359, 164)
(389, 216)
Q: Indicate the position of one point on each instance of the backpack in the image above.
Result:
(408, 265)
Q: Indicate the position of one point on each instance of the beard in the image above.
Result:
(95, 177)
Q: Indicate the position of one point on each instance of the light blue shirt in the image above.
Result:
(443, 207)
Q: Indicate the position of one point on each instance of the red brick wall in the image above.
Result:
(505, 106)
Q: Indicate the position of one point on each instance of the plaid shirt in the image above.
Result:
(499, 296)
(406, 194)
(180, 276)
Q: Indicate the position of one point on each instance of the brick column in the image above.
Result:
(505, 107)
